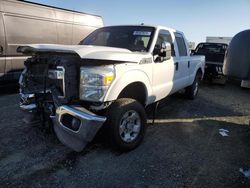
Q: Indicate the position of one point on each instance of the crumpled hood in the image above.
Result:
(87, 52)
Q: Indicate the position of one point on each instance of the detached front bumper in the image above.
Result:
(75, 126)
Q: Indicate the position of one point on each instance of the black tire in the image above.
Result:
(192, 90)
(115, 115)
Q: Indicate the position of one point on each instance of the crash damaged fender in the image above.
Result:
(75, 126)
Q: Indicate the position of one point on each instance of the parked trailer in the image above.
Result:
(236, 63)
(24, 22)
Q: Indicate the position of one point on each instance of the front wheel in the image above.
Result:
(126, 124)
(192, 90)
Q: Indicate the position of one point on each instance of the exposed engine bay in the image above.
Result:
(49, 81)
(51, 72)
(49, 92)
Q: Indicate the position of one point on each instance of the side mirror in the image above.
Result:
(192, 52)
(165, 51)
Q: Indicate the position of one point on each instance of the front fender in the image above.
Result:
(128, 78)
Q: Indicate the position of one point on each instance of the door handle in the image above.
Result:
(176, 66)
(188, 64)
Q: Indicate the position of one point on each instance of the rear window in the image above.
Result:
(211, 48)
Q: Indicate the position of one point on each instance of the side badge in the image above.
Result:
(146, 61)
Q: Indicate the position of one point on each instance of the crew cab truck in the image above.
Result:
(214, 56)
(108, 79)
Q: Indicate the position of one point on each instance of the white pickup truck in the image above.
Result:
(108, 79)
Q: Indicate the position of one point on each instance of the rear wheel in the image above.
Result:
(126, 124)
(192, 90)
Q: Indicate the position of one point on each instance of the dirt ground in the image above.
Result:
(182, 149)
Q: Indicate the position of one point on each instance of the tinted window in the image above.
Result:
(181, 44)
(204, 48)
(164, 36)
(134, 38)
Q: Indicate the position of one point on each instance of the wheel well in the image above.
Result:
(199, 72)
(136, 90)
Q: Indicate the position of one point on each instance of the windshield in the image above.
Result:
(211, 48)
(134, 38)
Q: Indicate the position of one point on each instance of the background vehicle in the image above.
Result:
(23, 23)
(214, 54)
(109, 78)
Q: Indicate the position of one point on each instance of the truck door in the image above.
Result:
(163, 72)
(2, 48)
(182, 64)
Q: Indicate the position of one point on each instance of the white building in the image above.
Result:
(225, 40)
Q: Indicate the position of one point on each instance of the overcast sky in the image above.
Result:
(196, 18)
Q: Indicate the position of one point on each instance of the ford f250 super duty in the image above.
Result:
(108, 79)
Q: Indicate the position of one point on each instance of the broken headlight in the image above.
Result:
(94, 82)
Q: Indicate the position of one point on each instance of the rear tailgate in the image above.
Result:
(214, 58)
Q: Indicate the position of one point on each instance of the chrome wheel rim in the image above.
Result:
(130, 126)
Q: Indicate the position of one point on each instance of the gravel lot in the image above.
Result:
(182, 149)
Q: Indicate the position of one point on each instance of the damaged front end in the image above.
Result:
(49, 90)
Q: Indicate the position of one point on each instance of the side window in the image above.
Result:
(164, 35)
(181, 44)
